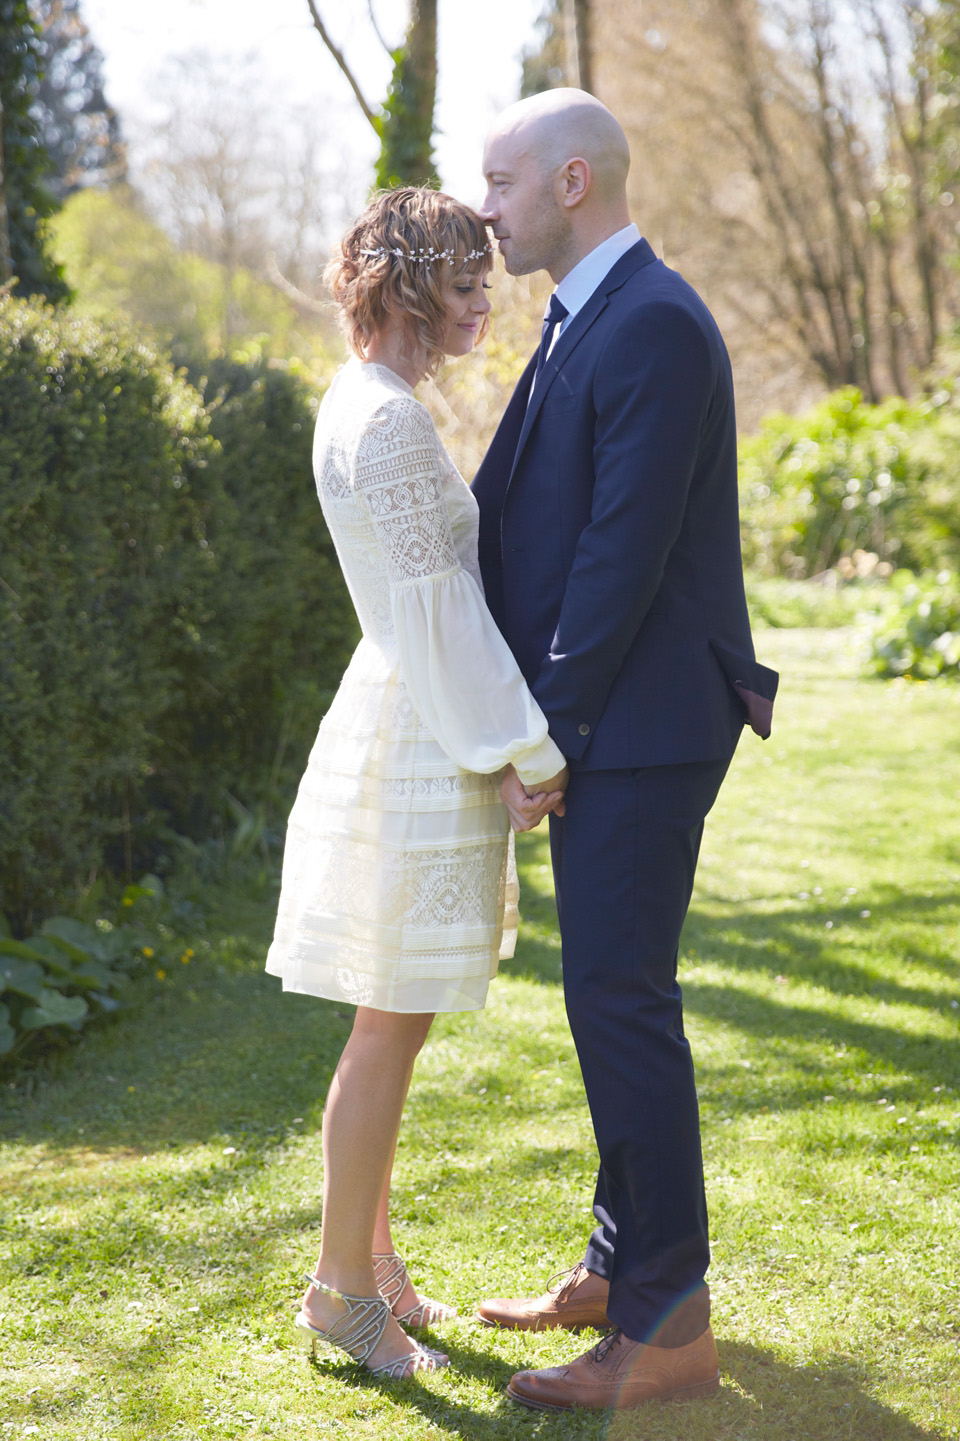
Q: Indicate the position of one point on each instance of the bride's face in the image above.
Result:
(468, 304)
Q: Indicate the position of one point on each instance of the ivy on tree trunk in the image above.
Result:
(406, 125)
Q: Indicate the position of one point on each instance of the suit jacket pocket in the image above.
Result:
(755, 684)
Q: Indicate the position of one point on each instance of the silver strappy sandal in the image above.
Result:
(391, 1275)
(358, 1331)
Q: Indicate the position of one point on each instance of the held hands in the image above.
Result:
(526, 811)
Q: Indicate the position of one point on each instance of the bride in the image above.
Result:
(398, 891)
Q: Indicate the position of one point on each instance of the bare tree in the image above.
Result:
(791, 158)
(234, 176)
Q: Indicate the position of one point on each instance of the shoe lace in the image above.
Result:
(606, 1345)
(562, 1280)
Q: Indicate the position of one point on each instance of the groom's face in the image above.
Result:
(521, 205)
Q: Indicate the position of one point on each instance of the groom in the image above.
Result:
(610, 552)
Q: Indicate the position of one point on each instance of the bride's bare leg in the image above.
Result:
(360, 1124)
(383, 1240)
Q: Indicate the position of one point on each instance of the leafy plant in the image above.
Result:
(917, 631)
(848, 477)
(58, 980)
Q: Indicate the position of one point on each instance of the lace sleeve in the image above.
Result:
(397, 474)
(462, 678)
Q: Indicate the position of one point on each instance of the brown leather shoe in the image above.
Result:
(620, 1374)
(579, 1300)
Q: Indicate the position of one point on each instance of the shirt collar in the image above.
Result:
(576, 288)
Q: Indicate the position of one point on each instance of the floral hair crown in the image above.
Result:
(426, 257)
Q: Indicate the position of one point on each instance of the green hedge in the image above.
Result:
(284, 626)
(171, 616)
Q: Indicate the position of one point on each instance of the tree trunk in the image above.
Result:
(581, 33)
(406, 156)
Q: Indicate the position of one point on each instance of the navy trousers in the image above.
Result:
(624, 858)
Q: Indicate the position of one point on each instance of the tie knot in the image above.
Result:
(556, 311)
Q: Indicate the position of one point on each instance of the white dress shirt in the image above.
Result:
(576, 288)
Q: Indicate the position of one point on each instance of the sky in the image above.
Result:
(479, 45)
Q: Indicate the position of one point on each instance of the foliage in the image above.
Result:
(26, 201)
(119, 262)
(785, 604)
(238, 175)
(406, 125)
(848, 477)
(171, 616)
(68, 974)
(284, 625)
(917, 630)
(563, 52)
(107, 580)
(78, 129)
(545, 63)
(166, 1173)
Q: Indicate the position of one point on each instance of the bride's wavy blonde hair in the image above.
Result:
(376, 274)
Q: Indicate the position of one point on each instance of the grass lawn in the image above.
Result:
(160, 1181)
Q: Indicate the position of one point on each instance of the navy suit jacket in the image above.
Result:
(609, 531)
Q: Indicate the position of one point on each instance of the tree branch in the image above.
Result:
(339, 57)
(376, 28)
(293, 292)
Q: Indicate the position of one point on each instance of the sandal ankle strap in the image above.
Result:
(357, 1331)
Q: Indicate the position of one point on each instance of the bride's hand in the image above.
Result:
(527, 811)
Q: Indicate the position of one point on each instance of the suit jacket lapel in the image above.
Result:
(636, 258)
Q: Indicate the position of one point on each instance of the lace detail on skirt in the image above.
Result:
(399, 890)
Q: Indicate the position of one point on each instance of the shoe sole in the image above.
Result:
(700, 1392)
(573, 1326)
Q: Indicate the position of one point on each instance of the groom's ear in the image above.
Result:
(573, 181)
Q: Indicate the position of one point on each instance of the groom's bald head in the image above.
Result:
(560, 125)
(556, 166)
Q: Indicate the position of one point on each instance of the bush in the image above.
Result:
(171, 615)
(917, 631)
(284, 625)
(848, 476)
(57, 981)
(106, 578)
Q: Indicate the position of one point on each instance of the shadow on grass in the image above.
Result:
(761, 1397)
(796, 947)
(240, 1061)
(222, 1053)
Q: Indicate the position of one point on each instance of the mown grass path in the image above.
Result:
(160, 1182)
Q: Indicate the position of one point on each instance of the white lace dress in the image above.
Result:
(396, 892)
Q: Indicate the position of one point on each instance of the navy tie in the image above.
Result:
(556, 312)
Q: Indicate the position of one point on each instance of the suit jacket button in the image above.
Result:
(584, 730)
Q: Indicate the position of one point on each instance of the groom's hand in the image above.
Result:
(527, 810)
